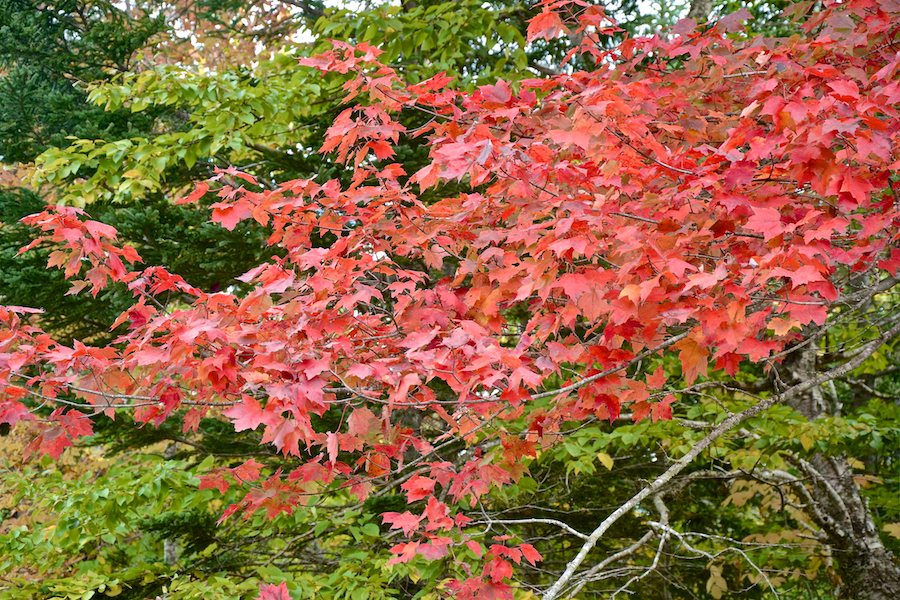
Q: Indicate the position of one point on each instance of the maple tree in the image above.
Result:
(172, 109)
(700, 215)
(186, 136)
(154, 110)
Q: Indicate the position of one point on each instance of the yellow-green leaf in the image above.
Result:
(606, 460)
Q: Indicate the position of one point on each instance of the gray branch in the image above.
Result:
(703, 444)
(489, 521)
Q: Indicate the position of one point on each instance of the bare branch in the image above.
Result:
(723, 427)
(489, 521)
(587, 577)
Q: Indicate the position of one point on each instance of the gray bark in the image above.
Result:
(867, 569)
(170, 545)
(170, 551)
(700, 10)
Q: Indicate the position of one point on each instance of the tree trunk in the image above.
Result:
(170, 551)
(867, 569)
(700, 10)
(870, 574)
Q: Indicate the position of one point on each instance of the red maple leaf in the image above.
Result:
(801, 276)
(406, 521)
(546, 25)
(418, 487)
(52, 441)
(12, 412)
(496, 95)
(249, 471)
(663, 408)
(530, 554)
(405, 552)
(273, 592)
(766, 221)
(248, 414)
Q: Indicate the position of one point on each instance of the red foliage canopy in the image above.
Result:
(692, 194)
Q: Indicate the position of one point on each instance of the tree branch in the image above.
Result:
(703, 444)
(489, 521)
(308, 9)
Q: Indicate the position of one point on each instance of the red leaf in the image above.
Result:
(229, 215)
(740, 173)
(214, 481)
(545, 25)
(434, 550)
(707, 280)
(418, 487)
(273, 592)
(75, 423)
(406, 521)
(495, 95)
(199, 191)
(640, 411)
(51, 441)
(658, 379)
(12, 412)
(766, 221)
(249, 471)
(332, 445)
(418, 339)
(286, 436)
(498, 570)
(437, 514)
(579, 137)
(801, 276)
(845, 89)
(405, 552)
(191, 420)
(693, 359)
(734, 21)
(530, 554)
(891, 264)
(663, 408)
(98, 229)
(362, 422)
(858, 188)
(248, 414)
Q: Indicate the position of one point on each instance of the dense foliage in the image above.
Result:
(555, 310)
